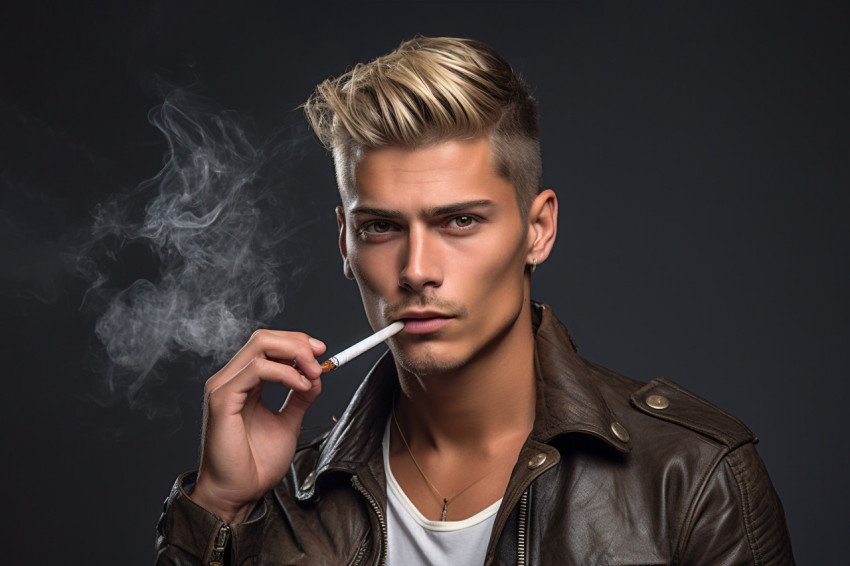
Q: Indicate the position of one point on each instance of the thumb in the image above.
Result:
(296, 405)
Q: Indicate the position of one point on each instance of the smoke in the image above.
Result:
(189, 263)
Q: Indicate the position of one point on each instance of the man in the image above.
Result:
(482, 438)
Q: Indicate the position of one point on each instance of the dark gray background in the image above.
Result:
(700, 153)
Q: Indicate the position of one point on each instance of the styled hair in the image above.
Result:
(427, 91)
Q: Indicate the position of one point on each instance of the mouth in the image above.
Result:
(424, 322)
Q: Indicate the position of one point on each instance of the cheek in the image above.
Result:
(372, 271)
(501, 266)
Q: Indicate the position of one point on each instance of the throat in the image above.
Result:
(466, 413)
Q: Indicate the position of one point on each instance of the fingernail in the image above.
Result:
(315, 343)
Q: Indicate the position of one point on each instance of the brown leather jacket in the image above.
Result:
(614, 472)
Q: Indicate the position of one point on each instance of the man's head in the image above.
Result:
(431, 90)
(438, 165)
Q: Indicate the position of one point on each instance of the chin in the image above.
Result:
(426, 363)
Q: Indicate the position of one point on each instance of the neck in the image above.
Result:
(476, 407)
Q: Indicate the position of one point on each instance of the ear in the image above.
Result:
(343, 248)
(542, 226)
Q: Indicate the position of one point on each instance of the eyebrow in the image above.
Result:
(429, 212)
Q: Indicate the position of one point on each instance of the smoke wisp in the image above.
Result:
(211, 246)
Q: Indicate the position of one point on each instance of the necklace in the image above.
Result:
(445, 500)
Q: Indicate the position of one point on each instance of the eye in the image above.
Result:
(462, 221)
(377, 227)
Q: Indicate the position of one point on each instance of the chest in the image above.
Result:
(568, 515)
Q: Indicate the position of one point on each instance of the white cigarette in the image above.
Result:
(362, 347)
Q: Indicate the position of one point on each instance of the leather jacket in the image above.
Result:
(615, 471)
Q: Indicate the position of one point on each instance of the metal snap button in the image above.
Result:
(659, 402)
(620, 431)
(536, 461)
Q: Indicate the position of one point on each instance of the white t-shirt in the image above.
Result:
(413, 540)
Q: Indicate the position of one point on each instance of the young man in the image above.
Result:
(482, 437)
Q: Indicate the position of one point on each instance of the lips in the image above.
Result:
(424, 325)
(424, 322)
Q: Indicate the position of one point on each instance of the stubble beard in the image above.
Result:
(425, 364)
(409, 355)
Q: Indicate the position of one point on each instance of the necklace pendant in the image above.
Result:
(445, 509)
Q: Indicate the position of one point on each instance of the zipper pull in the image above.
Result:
(221, 539)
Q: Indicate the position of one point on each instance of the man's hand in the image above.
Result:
(246, 448)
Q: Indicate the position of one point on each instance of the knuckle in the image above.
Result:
(265, 339)
(300, 336)
(257, 365)
(213, 396)
(259, 336)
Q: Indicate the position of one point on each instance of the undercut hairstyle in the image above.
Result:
(427, 91)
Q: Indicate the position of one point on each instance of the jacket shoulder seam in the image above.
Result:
(735, 465)
(682, 407)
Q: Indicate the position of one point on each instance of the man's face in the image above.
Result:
(434, 237)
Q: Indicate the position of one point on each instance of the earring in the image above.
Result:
(534, 265)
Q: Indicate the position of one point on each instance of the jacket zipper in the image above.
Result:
(522, 528)
(355, 481)
(221, 539)
(359, 557)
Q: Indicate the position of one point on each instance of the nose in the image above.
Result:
(421, 266)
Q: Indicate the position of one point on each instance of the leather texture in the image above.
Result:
(681, 484)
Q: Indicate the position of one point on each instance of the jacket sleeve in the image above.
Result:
(188, 534)
(738, 518)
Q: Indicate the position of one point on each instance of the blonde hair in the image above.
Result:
(427, 91)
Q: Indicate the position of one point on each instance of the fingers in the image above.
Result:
(292, 348)
(246, 385)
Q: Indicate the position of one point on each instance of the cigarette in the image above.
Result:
(362, 347)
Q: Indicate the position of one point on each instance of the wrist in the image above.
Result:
(229, 512)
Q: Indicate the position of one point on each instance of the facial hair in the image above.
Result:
(427, 363)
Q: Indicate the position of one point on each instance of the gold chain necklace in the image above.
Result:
(445, 500)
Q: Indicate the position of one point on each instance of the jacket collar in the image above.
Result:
(569, 394)
(569, 399)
